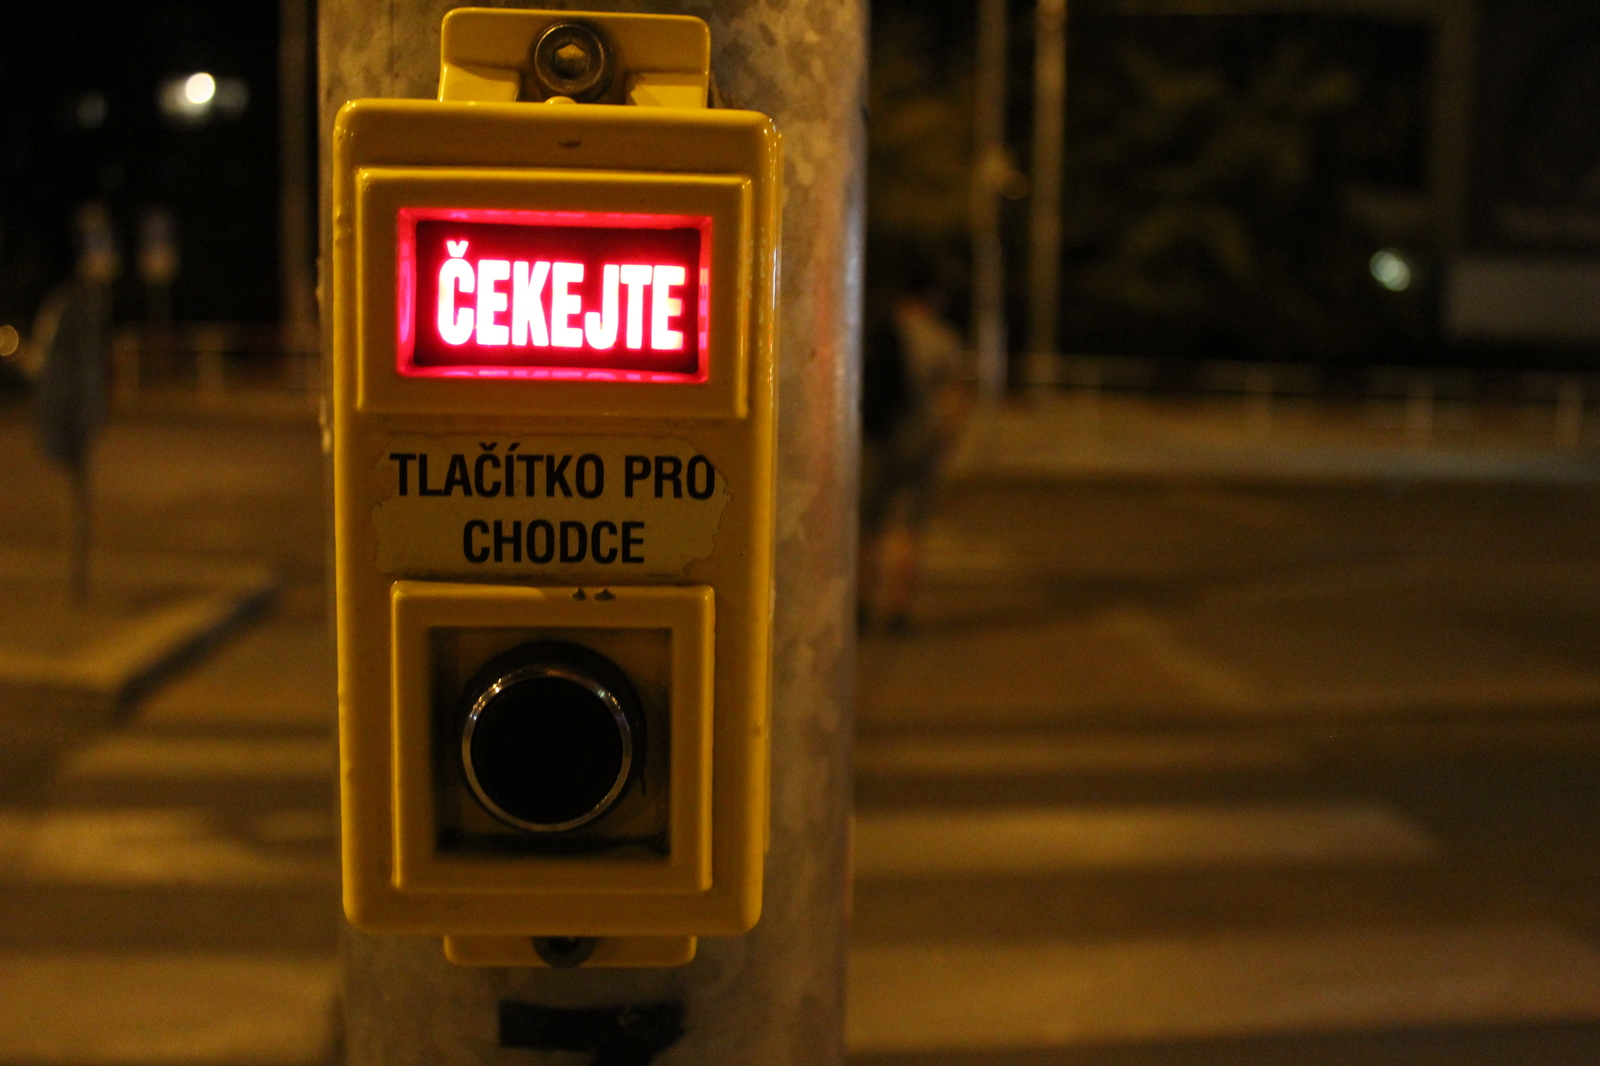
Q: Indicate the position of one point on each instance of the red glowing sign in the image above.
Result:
(545, 294)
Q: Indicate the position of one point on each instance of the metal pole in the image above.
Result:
(295, 254)
(776, 995)
(81, 532)
(989, 171)
(1044, 251)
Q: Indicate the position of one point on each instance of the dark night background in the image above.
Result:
(1226, 692)
(1228, 175)
(220, 179)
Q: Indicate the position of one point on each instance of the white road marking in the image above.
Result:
(1033, 841)
(297, 826)
(145, 847)
(986, 997)
(74, 1009)
(1209, 675)
(163, 757)
(1039, 756)
(123, 652)
(950, 552)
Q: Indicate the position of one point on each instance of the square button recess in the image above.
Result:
(686, 612)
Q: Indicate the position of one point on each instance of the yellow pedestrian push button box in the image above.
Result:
(552, 422)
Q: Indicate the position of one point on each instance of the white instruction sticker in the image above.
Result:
(595, 506)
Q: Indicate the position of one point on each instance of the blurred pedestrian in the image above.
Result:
(913, 404)
(72, 336)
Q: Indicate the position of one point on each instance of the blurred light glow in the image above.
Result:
(232, 96)
(196, 99)
(1391, 270)
(199, 88)
(10, 341)
(91, 110)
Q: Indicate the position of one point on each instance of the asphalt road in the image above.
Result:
(1165, 771)
(169, 880)
(1213, 771)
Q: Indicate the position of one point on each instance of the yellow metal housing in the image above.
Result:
(414, 611)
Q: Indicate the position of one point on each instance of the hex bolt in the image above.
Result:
(573, 60)
(565, 952)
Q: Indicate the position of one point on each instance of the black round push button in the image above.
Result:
(551, 736)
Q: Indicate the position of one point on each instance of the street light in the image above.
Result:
(198, 89)
(194, 99)
(1392, 270)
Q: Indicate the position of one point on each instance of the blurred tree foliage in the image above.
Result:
(919, 150)
(1208, 165)
(1205, 207)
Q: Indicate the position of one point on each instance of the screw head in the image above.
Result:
(565, 952)
(571, 59)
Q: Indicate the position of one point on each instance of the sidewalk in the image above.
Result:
(169, 887)
(1088, 599)
(195, 526)
(1085, 433)
(145, 613)
(170, 894)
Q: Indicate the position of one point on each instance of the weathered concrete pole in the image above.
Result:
(775, 995)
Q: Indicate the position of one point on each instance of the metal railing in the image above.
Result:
(1423, 406)
(211, 365)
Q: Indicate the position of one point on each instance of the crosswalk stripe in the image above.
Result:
(990, 997)
(1030, 756)
(1024, 841)
(165, 757)
(145, 846)
(82, 1009)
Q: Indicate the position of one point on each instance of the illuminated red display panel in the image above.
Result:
(545, 294)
